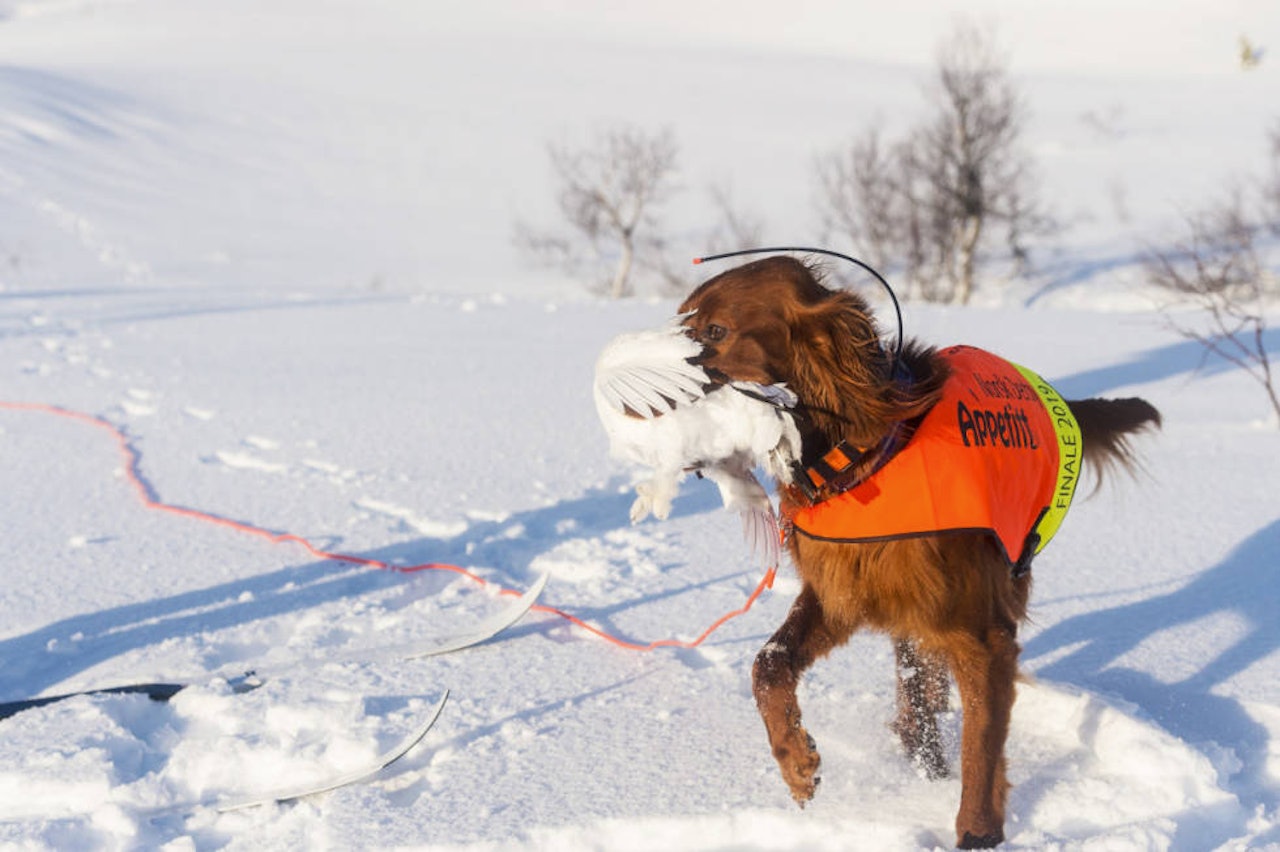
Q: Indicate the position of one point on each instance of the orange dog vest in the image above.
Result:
(1000, 452)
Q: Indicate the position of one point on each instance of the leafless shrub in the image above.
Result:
(858, 194)
(931, 201)
(608, 194)
(1221, 268)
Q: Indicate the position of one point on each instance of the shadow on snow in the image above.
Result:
(1244, 584)
(34, 662)
(1186, 356)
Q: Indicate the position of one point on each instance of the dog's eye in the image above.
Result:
(714, 332)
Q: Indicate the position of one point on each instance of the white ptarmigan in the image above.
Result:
(661, 410)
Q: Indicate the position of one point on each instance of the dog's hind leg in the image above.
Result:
(923, 688)
(803, 637)
(985, 667)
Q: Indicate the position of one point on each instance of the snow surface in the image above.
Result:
(270, 240)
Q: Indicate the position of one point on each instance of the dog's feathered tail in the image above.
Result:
(1105, 428)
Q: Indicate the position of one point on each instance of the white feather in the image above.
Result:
(649, 372)
(660, 411)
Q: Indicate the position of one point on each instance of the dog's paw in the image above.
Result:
(804, 795)
(932, 765)
(923, 749)
(800, 764)
(984, 841)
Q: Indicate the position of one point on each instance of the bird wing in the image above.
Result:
(649, 372)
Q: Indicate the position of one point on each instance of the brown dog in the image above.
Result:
(949, 601)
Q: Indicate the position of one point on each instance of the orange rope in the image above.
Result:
(133, 463)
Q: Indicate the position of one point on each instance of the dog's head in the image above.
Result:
(770, 320)
(774, 321)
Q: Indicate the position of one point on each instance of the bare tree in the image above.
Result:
(1221, 268)
(971, 145)
(858, 194)
(608, 194)
(934, 199)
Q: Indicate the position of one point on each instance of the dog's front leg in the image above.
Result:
(801, 639)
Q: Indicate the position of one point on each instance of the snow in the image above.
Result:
(270, 241)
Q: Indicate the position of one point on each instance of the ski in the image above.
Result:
(286, 795)
(293, 794)
(154, 691)
(433, 646)
(482, 632)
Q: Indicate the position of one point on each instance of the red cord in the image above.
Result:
(132, 464)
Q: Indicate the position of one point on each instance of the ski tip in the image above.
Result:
(417, 736)
(357, 776)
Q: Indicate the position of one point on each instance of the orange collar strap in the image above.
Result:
(833, 466)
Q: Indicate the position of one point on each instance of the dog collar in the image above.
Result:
(841, 467)
(838, 469)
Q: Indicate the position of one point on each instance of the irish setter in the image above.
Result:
(948, 601)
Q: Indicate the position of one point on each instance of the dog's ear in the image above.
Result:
(839, 365)
(842, 335)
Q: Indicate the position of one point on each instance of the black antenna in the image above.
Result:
(897, 309)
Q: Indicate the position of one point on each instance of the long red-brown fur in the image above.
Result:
(950, 603)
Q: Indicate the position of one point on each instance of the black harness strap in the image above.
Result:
(837, 470)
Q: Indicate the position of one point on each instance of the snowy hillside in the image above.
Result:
(270, 243)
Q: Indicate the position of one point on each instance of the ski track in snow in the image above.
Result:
(320, 364)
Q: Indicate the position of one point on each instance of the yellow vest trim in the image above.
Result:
(1069, 447)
